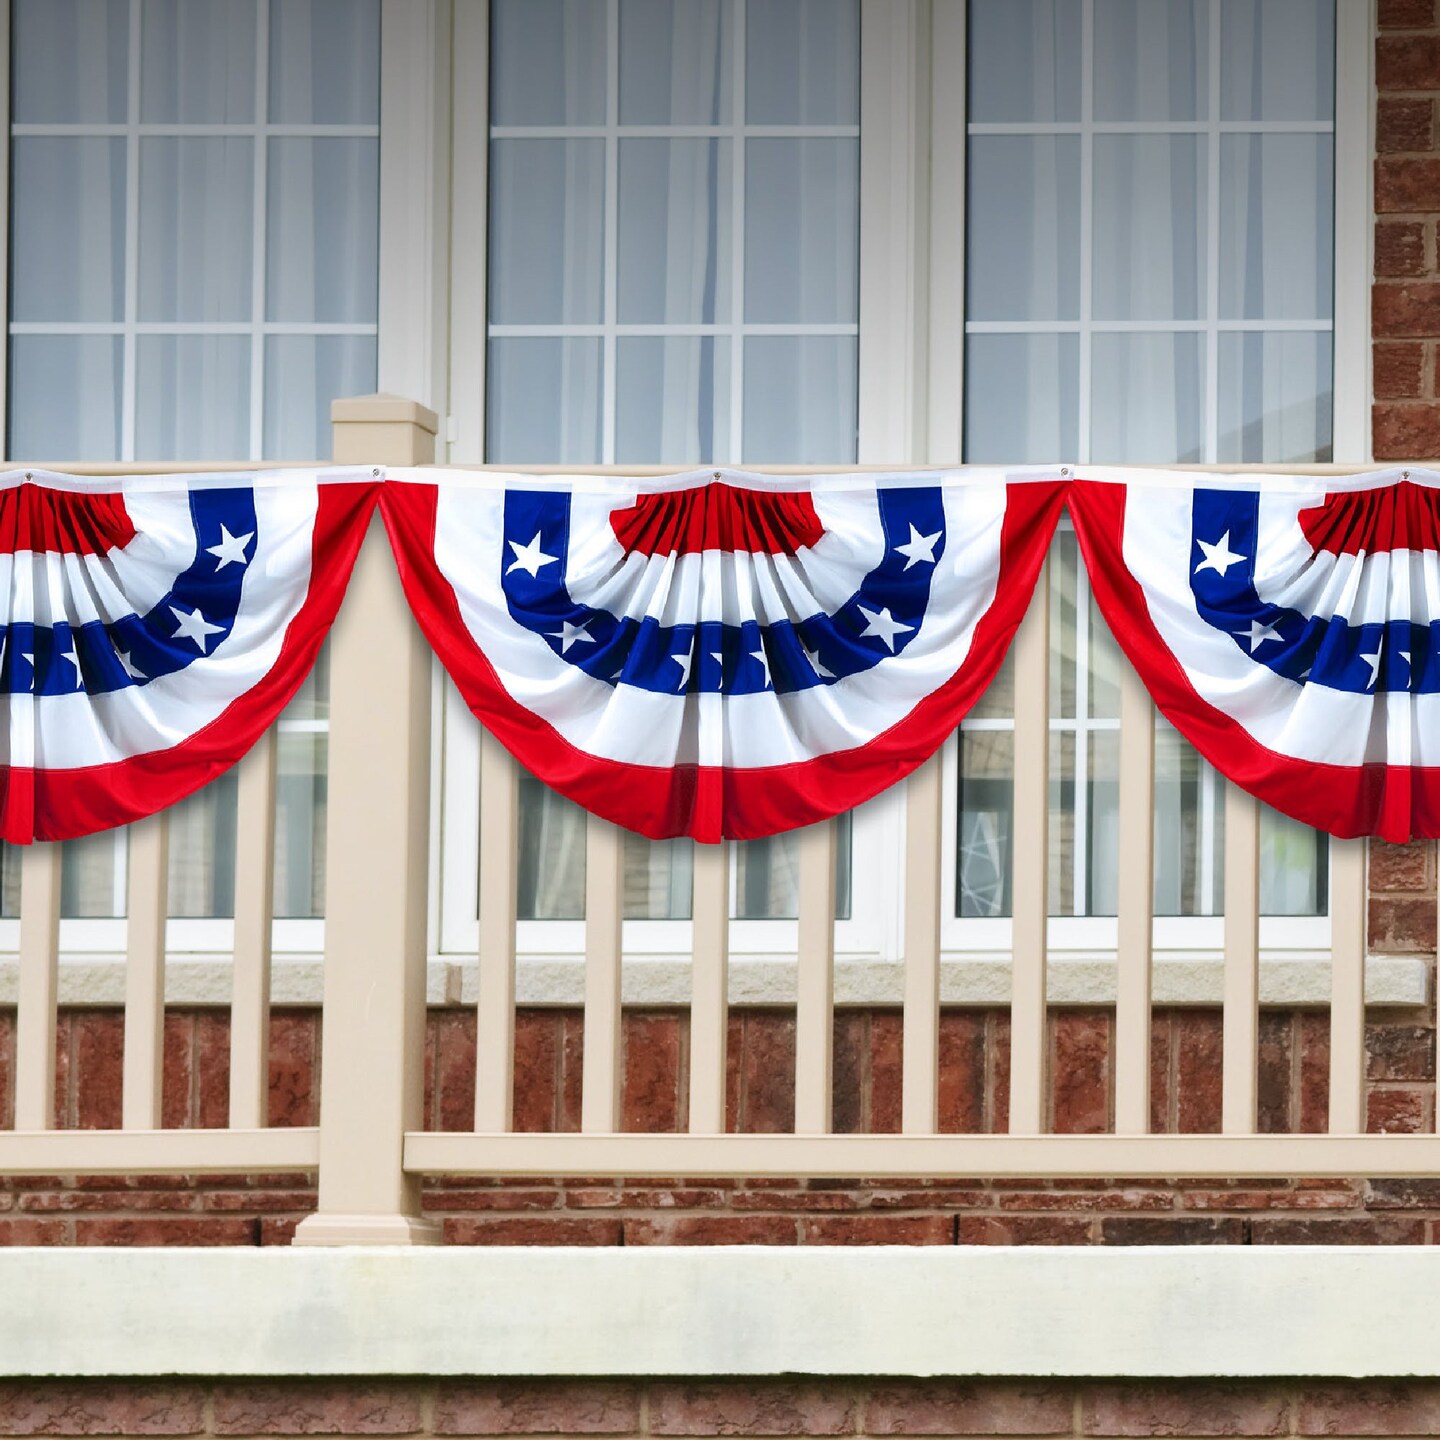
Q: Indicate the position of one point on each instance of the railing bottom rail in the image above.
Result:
(931, 1156)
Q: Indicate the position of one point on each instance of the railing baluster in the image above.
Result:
(39, 979)
(1347, 987)
(604, 876)
(1135, 906)
(709, 987)
(1029, 862)
(815, 980)
(254, 913)
(495, 1000)
(147, 897)
(920, 1088)
(1241, 1025)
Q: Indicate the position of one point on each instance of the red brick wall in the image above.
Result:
(1406, 301)
(974, 1054)
(875, 1407)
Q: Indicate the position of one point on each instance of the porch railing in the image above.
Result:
(369, 1148)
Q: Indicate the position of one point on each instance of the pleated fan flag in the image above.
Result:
(719, 654)
(1288, 626)
(151, 628)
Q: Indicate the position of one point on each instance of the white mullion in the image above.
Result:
(612, 229)
(222, 130)
(259, 208)
(1212, 245)
(1138, 327)
(1150, 127)
(737, 248)
(671, 132)
(657, 327)
(132, 237)
(1087, 212)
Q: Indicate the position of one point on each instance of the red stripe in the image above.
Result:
(1393, 802)
(63, 804)
(718, 517)
(708, 802)
(1404, 516)
(66, 522)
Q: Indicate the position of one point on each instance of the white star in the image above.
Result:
(813, 656)
(194, 626)
(919, 547)
(1219, 557)
(128, 666)
(569, 634)
(882, 624)
(1259, 633)
(1404, 655)
(684, 660)
(529, 558)
(230, 549)
(1373, 661)
(765, 662)
(74, 659)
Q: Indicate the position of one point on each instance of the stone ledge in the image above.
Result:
(741, 1311)
(1180, 979)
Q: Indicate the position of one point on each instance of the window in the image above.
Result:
(673, 273)
(194, 201)
(1149, 279)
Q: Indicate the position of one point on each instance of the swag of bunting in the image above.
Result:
(720, 654)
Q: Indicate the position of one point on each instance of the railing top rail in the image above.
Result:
(900, 465)
(158, 467)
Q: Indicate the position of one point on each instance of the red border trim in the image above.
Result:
(65, 804)
(1392, 801)
(711, 803)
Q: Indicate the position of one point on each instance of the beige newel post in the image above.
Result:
(377, 836)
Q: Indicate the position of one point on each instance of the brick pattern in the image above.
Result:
(707, 1407)
(264, 1209)
(1406, 296)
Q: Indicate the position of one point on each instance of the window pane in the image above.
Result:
(1064, 598)
(1022, 60)
(551, 854)
(672, 401)
(197, 61)
(1102, 823)
(543, 401)
(1149, 227)
(1022, 398)
(325, 62)
(1022, 263)
(71, 61)
(1148, 404)
(675, 230)
(1151, 60)
(987, 808)
(300, 810)
(658, 876)
(767, 875)
(675, 62)
(1278, 59)
(67, 228)
(192, 396)
(1065, 896)
(92, 876)
(65, 397)
(801, 240)
(800, 399)
(1277, 196)
(1275, 396)
(323, 236)
(303, 374)
(1189, 804)
(196, 223)
(802, 62)
(202, 851)
(547, 231)
(547, 62)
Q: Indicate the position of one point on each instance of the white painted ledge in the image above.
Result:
(1312, 1311)
(1180, 978)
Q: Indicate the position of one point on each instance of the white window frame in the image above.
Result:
(1178, 941)
(412, 358)
(911, 378)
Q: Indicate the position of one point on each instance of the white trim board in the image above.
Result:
(755, 980)
(744, 1311)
